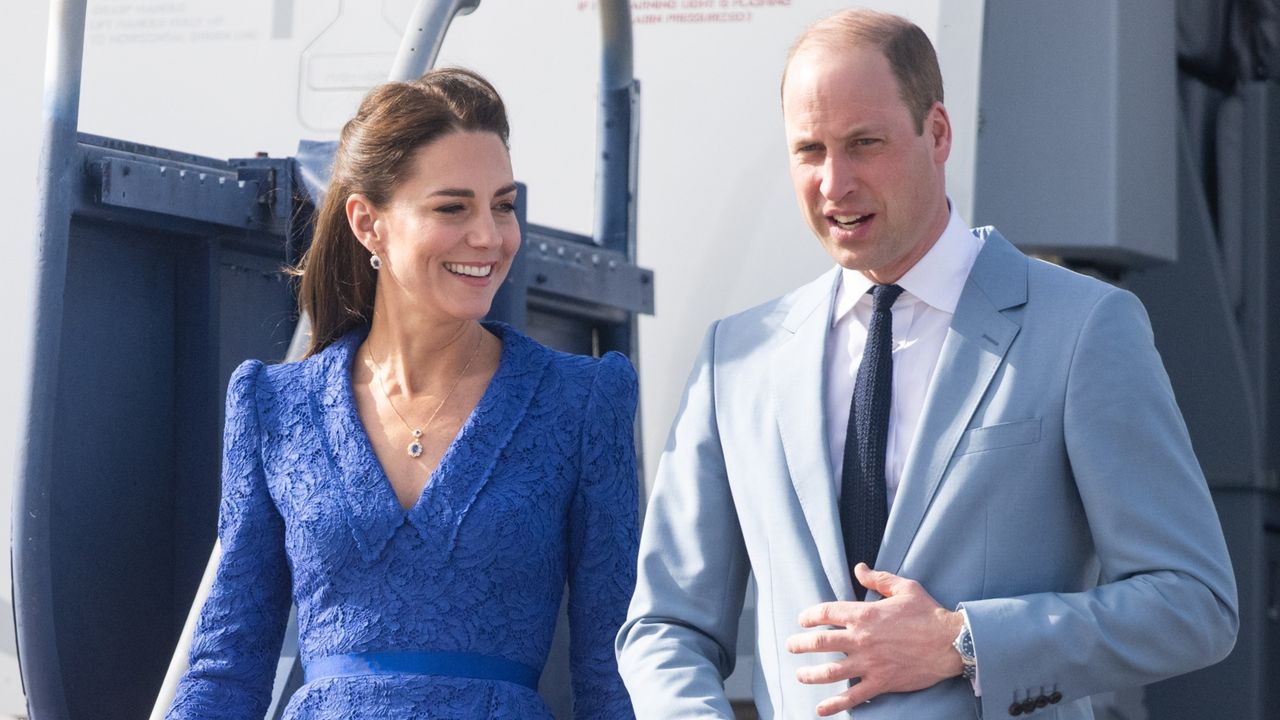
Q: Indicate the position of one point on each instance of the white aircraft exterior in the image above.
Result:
(717, 218)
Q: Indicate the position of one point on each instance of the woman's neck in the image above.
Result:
(419, 355)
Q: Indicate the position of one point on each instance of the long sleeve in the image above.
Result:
(680, 640)
(1165, 603)
(241, 626)
(603, 536)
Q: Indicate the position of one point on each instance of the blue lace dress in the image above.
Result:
(539, 487)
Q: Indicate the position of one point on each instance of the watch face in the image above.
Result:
(964, 645)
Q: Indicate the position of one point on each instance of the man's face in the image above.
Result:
(870, 187)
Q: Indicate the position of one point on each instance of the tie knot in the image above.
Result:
(883, 297)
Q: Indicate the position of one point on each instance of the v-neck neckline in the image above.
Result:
(374, 513)
(369, 456)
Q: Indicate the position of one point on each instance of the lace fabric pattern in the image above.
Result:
(538, 488)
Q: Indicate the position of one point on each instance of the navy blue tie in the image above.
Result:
(864, 504)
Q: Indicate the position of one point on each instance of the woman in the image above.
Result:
(422, 484)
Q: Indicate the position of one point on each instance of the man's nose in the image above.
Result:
(838, 176)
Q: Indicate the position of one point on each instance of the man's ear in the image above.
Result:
(362, 216)
(937, 124)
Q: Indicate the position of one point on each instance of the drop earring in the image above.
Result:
(375, 261)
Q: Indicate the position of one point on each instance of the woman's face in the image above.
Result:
(449, 232)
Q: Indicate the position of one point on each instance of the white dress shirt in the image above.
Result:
(921, 316)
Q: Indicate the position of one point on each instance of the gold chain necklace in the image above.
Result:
(415, 445)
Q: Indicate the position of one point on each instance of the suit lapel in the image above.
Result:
(976, 343)
(796, 376)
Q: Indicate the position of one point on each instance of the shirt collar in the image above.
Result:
(937, 279)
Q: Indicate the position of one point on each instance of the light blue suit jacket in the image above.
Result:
(1051, 491)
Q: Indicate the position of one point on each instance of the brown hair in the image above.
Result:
(374, 150)
(903, 43)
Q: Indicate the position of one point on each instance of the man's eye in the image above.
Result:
(809, 149)
(866, 142)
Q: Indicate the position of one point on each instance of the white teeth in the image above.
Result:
(469, 270)
(848, 219)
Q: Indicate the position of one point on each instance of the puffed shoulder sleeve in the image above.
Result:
(237, 639)
(603, 539)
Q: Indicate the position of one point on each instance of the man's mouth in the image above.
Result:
(476, 271)
(849, 222)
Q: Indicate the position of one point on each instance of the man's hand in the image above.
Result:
(898, 644)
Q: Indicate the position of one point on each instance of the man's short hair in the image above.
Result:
(902, 42)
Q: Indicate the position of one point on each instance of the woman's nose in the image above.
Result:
(485, 233)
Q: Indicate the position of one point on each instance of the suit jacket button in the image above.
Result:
(1015, 709)
(1042, 701)
(1028, 706)
(1056, 697)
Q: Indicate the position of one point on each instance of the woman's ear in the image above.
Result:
(362, 216)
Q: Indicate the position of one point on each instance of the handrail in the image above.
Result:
(32, 573)
(617, 132)
(425, 34)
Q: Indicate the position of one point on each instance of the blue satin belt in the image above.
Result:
(412, 662)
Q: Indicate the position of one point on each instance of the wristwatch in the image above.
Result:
(964, 645)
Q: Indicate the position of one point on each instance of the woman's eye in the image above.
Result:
(453, 209)
(506, 207)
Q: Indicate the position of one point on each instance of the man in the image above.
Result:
(996, 436)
